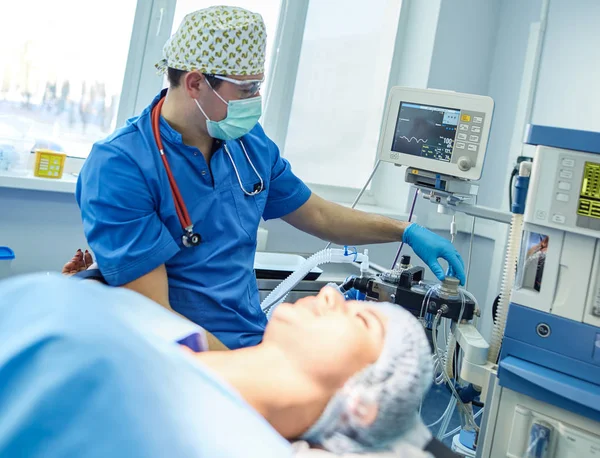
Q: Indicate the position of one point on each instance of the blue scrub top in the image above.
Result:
(131, 224)
(91, 371)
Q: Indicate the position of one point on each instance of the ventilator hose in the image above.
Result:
(450, 350)
(322, 257)
(508, 280)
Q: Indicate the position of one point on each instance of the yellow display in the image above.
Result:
(49, 164)
(589, 201)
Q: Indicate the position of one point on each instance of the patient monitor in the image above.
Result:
(440, 132)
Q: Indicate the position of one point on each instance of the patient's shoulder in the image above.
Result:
(84, 311)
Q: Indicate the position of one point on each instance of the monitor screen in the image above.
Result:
(425, 131)
(589, 196)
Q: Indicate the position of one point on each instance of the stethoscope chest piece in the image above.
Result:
(191, 239)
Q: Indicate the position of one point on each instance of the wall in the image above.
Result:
(466, 32)
(568, 92)
(506, 78)
(43, 228)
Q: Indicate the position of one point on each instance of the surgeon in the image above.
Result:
(171, 202)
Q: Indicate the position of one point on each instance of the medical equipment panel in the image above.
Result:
(530, 428)
(566, 191)
(437, 131)
(543, 343)
(559, 266)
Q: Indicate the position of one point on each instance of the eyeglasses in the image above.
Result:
(250, 86)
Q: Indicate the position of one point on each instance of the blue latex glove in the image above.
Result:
(429, 247)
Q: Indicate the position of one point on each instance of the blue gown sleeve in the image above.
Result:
(119, 216)
(287, 192)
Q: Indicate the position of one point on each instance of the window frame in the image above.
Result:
(151, 29)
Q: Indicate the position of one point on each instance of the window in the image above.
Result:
(341, 89)
(61, 72)
(268, 9)
(66, 80)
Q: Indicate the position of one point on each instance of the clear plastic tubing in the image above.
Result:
(329, 255)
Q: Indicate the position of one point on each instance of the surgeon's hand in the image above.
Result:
(429, 247)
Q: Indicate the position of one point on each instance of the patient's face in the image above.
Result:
(330, 338)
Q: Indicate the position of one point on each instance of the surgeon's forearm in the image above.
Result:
(344, 226)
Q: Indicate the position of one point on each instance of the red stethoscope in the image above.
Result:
(189, 238)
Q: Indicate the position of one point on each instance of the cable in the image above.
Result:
(453, 228)
(444, 414)
(470, 296)
(470, 249)
(513, 174)
(444, 426)
(426, 300)
(459, 401)
(410, 215)
(455, 357)
(455, 430)
(440, 363)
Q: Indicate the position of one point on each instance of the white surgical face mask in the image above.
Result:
(242, 116)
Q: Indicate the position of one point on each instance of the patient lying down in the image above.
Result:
(345, 377)
(353, 374)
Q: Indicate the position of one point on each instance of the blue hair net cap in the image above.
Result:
(378, 407)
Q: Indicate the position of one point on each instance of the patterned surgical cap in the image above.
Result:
(221, 40)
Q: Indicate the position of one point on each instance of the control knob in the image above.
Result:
(464, 163)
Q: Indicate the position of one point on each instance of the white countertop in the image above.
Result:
(27, 181)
